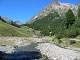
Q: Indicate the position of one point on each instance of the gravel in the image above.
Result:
(56, 53)
(52, 51)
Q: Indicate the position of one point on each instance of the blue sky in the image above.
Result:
(23, 10)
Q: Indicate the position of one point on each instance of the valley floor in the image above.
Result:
(52, 51)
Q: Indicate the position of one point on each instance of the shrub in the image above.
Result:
(72, 42)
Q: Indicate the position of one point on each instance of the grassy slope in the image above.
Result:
(9, 30)
(26, 31)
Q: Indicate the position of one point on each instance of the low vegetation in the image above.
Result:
(67, 42)
(7, 42)
(7, 29)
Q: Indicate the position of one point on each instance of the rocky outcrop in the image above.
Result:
(61, 8)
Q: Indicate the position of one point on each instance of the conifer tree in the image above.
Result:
(70, 18)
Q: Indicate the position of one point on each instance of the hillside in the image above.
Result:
(9, 30)
(58, 19)
(27, 31)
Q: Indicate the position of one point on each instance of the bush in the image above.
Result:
(72, 32)
(44, 57)
(72, 42)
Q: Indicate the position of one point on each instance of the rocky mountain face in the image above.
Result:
(61, 8)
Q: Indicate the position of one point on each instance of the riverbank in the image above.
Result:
(46, 48)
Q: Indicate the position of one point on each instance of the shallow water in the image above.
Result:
(28, 52)
(22, 55)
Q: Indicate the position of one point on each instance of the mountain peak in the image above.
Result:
(55, 1)
(57, 6)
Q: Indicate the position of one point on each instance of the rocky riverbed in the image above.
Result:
(52, 51)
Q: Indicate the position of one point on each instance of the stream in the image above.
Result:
(28, 52)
